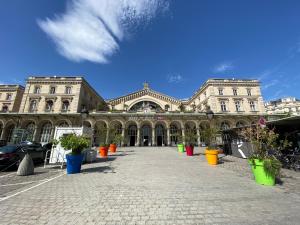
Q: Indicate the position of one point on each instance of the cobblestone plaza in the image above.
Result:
(154, 185)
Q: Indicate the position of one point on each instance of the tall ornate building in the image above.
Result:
(10, 97)
(289, 105)
(144, 118)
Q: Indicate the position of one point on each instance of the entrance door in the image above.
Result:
(146, 135)
(159, 140)
(132, 141)
(146, 141)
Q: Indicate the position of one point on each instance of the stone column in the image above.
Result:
(123, 136)
(183, 135)
(2, 133)
(35, 134)
(153, 137)
(168, 137)
(198, 134)
(138, 137)
(107, 136)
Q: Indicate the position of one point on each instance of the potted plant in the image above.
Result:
(180, 145)
(75, 143)
(190, 139)
(117, 139)
(210, 135)
(103, 150)
(265, 144)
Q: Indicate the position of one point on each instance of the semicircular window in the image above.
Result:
(146, 106)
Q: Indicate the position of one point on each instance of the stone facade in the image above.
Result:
(143, 118)
(288, 105)
(10, 97)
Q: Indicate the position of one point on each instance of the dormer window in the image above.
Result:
(33, 106)
(37, 90)
(49, 106)
(220, 91)
(5, 108)
(65, 106)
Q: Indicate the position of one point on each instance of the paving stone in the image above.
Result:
(156, 186)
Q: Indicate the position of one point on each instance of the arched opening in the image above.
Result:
(115, 132)
(10, 131)
(46, 132)
(175, 133)
(203, 126)
(146, 135)
(160, 135)
(190, 129)
(132, 134)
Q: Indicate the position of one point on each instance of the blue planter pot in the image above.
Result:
(74, 163)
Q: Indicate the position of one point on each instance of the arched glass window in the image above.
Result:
(29, 132)
(63, 124)
(240, 124)
(224, 126)
(174, 133)
(49, 106)
(33, 106)
(46, 132)
(65, 106)
(145, 106)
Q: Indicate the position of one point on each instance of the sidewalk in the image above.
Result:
(153, 186)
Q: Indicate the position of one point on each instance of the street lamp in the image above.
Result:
(209, 113)
(84, 114)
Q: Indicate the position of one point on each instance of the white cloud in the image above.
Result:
(223, 67)
(176, 78)
(91, 29)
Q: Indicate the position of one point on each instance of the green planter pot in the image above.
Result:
(180, 147)
(260, 174)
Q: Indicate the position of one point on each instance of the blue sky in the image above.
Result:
(174, 45)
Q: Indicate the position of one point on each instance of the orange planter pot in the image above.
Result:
(103, 151)
(212, 156)
(112, 147)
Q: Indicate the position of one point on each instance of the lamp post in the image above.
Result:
(84, 114)
(209, 113)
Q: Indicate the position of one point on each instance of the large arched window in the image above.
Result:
(65, 106)
(240, 124)
(63, 124)
(225, 126)
(145, 106)
(46, 132)
(49, 106)
(33, 106)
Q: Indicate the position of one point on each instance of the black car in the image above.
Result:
(13, 154)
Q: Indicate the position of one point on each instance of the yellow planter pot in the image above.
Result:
(212, 156)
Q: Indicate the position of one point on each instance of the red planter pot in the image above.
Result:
(189, 150)
(103, 151)
(113, 148)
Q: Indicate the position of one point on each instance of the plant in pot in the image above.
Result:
(75, 143)
(103, 150)
(265, 144)
(180, 145)
(116, 139)
(190, 139)
(211, 152)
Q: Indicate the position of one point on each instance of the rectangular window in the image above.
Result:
(37, 90)
(52, 90)
(252, 106)
(220, 91)
(234, 92)
(8, 96)
(68, 90)
(238, 106)
(223, 106)
(249, 92)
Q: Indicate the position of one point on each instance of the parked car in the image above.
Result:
(2, 143)
(13, 154)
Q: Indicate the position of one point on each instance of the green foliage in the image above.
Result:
(190, 137)
(209, 135)
(264, 141)
(74, 142)
(102, 106)
(181, 107)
